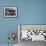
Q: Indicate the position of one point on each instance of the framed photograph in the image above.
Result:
(10, 11)
(33, 32)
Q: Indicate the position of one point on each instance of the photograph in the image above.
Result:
(10, 11)
(32, 32)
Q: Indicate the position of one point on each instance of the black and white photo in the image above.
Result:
(10, 11)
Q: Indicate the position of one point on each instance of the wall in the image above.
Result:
(29, 12)
(32, 11)
(7, 25)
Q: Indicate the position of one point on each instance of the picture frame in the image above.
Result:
(38, 30)
(10, 11)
